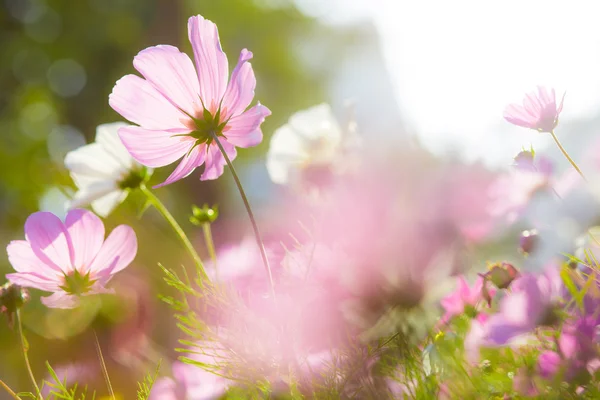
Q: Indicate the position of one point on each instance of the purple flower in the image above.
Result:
(71, 258)
(539, 111)
(180, 109)
(577, 350)
(531, 303)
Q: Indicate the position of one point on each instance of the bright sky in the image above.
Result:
(457, 63)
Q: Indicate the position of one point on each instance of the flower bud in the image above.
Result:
(12, 297)
(501, 274)
(528, 241)
(524, 160)
(204, 215)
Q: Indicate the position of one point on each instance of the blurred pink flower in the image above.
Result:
(539, 111)
(512, 192)
(464, 299)
(71, 258)
(532, 303)
(299, 330)
(190, 382)
(180, 108)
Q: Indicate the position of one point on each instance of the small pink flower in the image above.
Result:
(179, 108)
(71, 258)
(464, 299)
(539, 111)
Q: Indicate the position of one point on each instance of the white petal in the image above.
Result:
(106, 204)
(92, 192)
(94, 160)
(108, 136)
(287, 151)
(315, 123)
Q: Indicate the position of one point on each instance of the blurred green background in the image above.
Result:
(60, 60)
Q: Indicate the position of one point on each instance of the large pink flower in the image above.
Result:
(71, 258)
(539, 111)
(179, 108)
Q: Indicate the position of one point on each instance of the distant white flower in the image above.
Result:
(308, 150)
(103, 171)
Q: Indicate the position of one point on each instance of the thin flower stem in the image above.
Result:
(160, 207)
(9, 390)
(562, 149)
(259, 241)
(210, 245)
(24, 347)
(103, 366)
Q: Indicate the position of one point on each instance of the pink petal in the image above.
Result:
(117, 252)
(517, 115)
(155, 148)
(463, 288)
(532, 105)
(191, 161)
(139, 102)
(453, 304)
(49, 240)
(215, 162)
(60, 300)
(547, 98)
(87, 234)
(211, 63)
(164, 389)
(244, 130)
(35, 280)
(240, 90)
(172, 73)
(548, 364)
(560, 106)
(21, 257)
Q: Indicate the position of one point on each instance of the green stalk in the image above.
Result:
(9, 390)
(210, 245)
(259, 241)
(24, 347)
(562, 149)
(103, 366)
(160, 207)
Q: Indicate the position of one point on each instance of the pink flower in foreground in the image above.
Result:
(179, 108)
(539, 111)
(190, 382)
(71, 258)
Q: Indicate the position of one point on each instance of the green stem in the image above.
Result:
(160, 207)
(259, 241)
(9, 390)
(103, 366)
(562, 149)
(210, 245)
(24, 347)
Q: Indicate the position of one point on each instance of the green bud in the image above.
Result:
(204, 215)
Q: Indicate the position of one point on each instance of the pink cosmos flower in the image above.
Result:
(464, 299)
(539, 111)
(71, 258)
(180, 108)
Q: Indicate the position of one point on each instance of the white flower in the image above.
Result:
(309, 148)
(103, 171)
